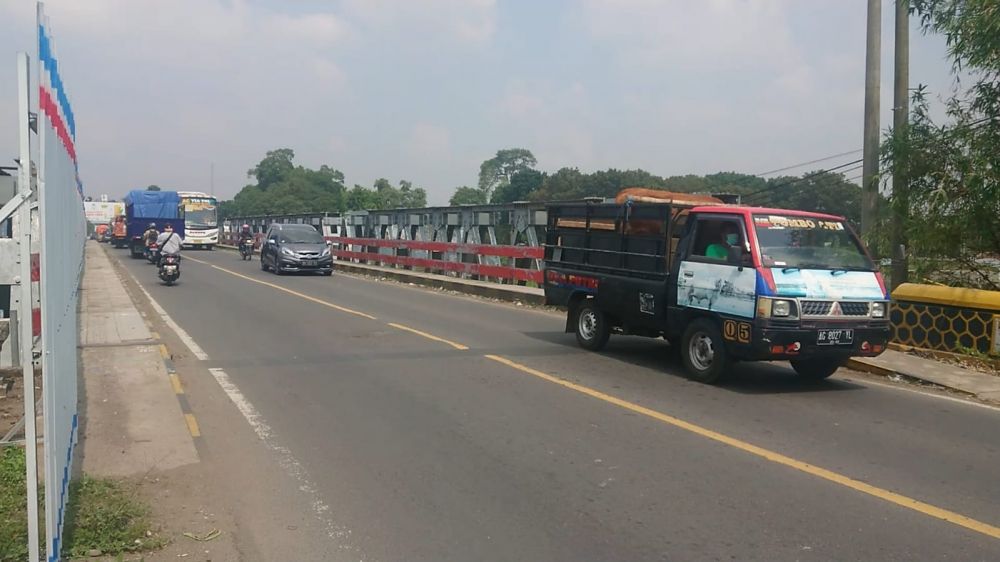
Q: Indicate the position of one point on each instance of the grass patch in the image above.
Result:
(103, 513)
(13, 505)
(108, 515)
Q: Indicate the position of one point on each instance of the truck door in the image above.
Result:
(706, 278)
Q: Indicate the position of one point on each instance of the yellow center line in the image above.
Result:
(837, 478)
(289, 291)
(175, 381)
(428, 336)
(192, 424)
(163, 352)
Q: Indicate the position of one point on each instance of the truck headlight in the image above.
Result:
(878, 310)
(781, 308)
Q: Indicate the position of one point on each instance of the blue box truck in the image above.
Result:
(143, 207)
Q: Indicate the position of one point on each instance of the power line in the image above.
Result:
(769, 172)
(763, 195)
(803, 178)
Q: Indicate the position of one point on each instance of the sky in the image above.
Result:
(166, 91)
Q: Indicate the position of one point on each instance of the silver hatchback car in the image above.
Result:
(295, 248)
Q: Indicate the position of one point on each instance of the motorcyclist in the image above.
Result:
(150, 235)
(245, 234)
(170, 242)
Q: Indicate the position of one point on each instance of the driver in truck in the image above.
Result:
(729, 237)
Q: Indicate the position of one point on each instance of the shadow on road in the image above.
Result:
(744, 377)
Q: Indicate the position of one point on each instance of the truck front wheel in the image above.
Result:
(703, 352)
(816, 369)
(592, 330)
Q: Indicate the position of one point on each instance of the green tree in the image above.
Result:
(283, 188)
(819, 192)
(153, 187)
(466, 195)
(520, 188)
(498, 171)
(360, 198)
(951, 199)
(273, 168)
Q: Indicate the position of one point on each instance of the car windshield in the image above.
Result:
(300, 236)
(808, 243)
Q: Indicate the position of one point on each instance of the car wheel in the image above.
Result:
(263, 266)
(703, 351)
(816, 369)
(592, 330)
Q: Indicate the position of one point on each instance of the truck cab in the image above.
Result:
(720, 282)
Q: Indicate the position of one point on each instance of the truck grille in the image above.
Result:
(816, 308)
(825, 308)
(854, 308)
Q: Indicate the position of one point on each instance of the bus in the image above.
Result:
(201, 219)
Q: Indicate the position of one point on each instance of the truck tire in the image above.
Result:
(816, 369)
(591, 326)
(703, 352)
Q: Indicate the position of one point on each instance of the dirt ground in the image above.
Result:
(12, 400)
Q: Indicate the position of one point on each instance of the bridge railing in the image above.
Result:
(511, 263)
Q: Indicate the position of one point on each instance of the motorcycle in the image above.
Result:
(170, 268)
(246, 249)
(153, 253)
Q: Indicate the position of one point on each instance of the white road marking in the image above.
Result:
(188, 340)
(901, 386)
(285, 458)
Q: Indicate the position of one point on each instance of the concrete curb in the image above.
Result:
(482, 289)
(858, 365)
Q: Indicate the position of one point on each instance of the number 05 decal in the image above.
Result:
(736, 331)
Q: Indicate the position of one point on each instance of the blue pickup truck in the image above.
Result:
(143, 207)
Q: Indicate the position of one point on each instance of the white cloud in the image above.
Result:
(429, 142)
(467, 20)
(164, 87)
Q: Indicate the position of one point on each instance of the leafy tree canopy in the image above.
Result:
(466, 195)
(498, 171)
(950, 199)
(285, 188)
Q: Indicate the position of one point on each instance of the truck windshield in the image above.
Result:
(808, 243)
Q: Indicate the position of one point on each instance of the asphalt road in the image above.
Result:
(428, 426)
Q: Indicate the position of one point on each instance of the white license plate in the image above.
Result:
(835, 337)
(309, 263)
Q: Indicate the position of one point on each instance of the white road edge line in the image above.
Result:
(285, 458)
(188, 340)
(899, 386)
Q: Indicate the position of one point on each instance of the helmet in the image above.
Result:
(246, 227)
(152, 225)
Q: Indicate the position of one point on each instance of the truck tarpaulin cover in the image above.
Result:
(154, 204)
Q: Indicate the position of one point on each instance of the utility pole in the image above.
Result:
(869, 185)
(900, 126)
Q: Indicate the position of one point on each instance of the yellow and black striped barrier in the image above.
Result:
(946, 318)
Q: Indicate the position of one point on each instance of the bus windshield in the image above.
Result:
(200, 213)
(808, 243)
